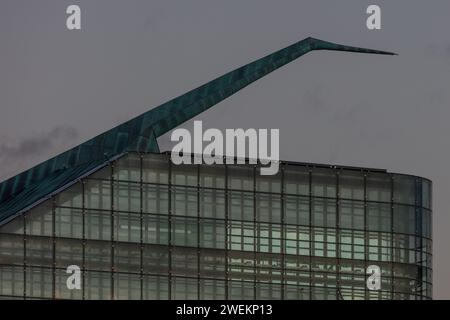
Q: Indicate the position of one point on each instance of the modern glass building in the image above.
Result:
(140, 227)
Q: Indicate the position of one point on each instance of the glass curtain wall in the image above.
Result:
(143, 228)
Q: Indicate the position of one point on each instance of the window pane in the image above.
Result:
(351, 185)
(127, 227)
(351, 214)
(98, 285)
(69, 222)
(39, 282)
(156, 199)
(379, 216)
(212, 203)
(98, 225)
(296, 180)
(128, 168)
(127, 196)
(379, 187)
(127, 286)
(296, 210)
(155, 168)
(324, 183)
(184, 232)
(404, 189)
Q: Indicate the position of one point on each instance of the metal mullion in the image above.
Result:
(24, 256)
(112, 229)
(141, 217)
(198, 232)
(311, 242)
(366, 235)
(283, 236)
(83, 228)
(170, 230)
(256, 235)
(227, 247)
(53, 249)
(338, 240)
(392, 236)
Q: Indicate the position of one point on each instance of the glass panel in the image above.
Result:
(184, 289)
(127, 196)
(14, 226)
(156, 199)
(212, 234)
(426, 193)
(212, 263)
(324, 183)
(268, 291)
(240, 178)
(212, 176)
(296, 180)
(268, 238)
(155, 229)
(155, 259)
(184, 175)
(404, 219)
(98, 225)
(184, 261)
(39, 282)
(127, 257)
(127, 227)
(211, 289)
(241, 236)
(156, 287)
(268, 208)
(11, 249)
(71, 197)
(98, 255)
(379, 187)
(97, 194)
(155, 168)
(351, 185)
(68, 252)
(128, 168)
(61, 290)
(98, 285)
(296, 210)
(404, 189)
(351, 215)
(240, 290)
(212, 203)
(184, 232)
(241, 205)
(324, 212)
(426, 223)
(39, 220)
(269, 183)
(127, 286)
(11, 281)
(39, 251)
(379, 216)
(69, 222)
(184, 201)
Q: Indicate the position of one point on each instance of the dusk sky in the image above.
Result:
(59, 88)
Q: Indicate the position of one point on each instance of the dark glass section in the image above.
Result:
(143, 228)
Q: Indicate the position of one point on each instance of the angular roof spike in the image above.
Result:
(140, 134)
(317, 44)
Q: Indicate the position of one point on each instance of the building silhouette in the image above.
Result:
(140, 227)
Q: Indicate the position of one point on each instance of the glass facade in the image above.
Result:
(143, 228)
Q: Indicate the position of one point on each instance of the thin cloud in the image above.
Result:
(38, 145)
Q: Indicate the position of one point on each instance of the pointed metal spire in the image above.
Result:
(140, 134)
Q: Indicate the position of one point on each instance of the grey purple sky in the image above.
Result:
(58, 87)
